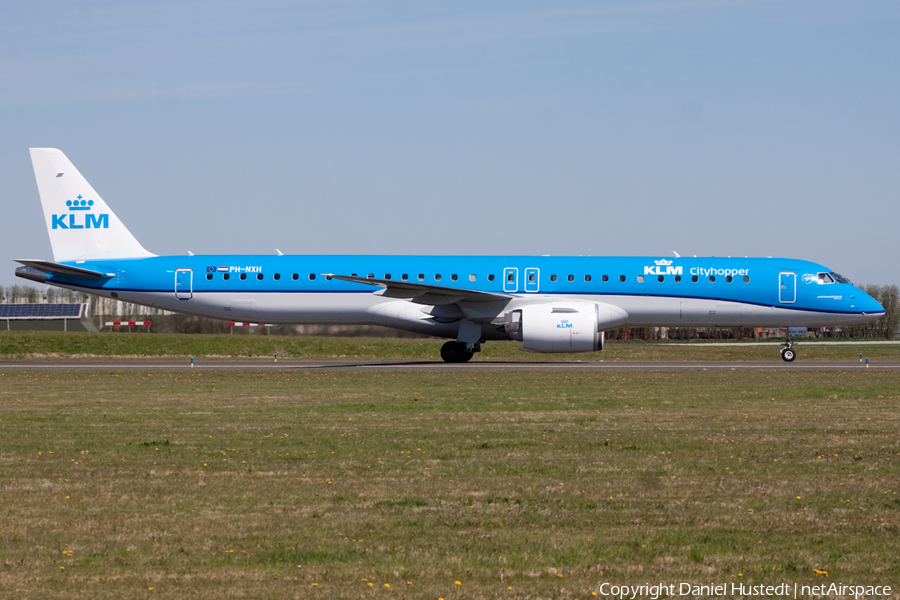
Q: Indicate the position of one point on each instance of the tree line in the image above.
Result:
(885, 327)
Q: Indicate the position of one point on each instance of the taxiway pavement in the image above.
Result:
(363, 366)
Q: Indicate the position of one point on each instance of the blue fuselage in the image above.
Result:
(652, 290)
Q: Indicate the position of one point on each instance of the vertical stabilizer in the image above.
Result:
(80, 224)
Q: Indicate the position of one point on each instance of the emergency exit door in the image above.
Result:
(510, 279)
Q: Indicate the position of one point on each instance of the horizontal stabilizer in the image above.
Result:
(52, 268)
(422, 293)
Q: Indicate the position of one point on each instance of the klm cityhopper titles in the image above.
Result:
(550, 304)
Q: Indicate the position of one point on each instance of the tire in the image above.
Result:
(788, 355)
(455, 352)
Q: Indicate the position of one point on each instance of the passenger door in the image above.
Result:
(787, 287)
(184, 281)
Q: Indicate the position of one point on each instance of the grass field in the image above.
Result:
(450, 485)
(54, 345)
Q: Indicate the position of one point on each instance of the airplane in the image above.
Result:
(549, 303)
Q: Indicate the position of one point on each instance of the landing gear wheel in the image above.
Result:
(788, 355)
(455, 352)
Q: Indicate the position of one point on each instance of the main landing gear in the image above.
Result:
(788, 354)
(459, 352)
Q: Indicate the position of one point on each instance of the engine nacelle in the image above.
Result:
(575, 326)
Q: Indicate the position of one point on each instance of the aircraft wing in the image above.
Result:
(52, 268)
(422, 293)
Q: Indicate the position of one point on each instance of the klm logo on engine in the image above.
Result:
(658, 269)
(80, 216)
(564, 324)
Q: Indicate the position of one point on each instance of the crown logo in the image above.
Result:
(79, 203)
(662, 262)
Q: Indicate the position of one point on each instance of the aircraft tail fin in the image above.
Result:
(80, 224)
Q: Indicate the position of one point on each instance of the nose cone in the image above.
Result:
(868, 306)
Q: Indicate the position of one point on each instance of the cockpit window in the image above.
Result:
(839, 278)
(825, 278)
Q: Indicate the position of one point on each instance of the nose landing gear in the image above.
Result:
(788, 354)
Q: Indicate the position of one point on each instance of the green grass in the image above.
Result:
(259, 485)
(55, 345)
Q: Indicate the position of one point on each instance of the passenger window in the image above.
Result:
(661, 278)
(454, 277)
(259, 276)
(728, 279)
(243, 276)
(491, 277)
(387, 275)
(421, 277)
(209, 276)
(552, 278)
(605, 278)
(678, 279)
(312, 276)
(404, 277)
(712, 278)
(571, 278)
(640, 279)
(622, 278)
(746, 279)
(277, 276)
(295, 277)
(437, 277)
(587, 277)
(472, 277)
(327, 278)
(225, 276)
(370, 276)
(695, 279)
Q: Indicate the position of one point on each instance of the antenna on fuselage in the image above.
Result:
(676, 254)
(279, 252)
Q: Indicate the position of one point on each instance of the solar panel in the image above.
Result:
(40, 311)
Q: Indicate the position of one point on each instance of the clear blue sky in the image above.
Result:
(632, 127)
